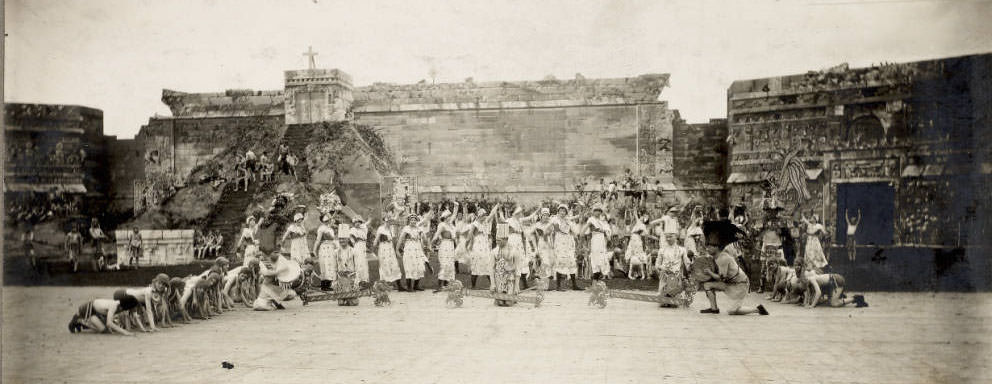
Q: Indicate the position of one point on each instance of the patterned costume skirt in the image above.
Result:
(446, 257)
(389, 268)
(635, 251)
(814, 254)
(565, 254)
(361, 262)
(547, 256)
(515, 244)
(462, 253)
(413, 259)
(298, 250)
(482, 263)
(327, 260)
(505, 277)
(598, 256)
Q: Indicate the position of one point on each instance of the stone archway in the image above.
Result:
(866, 129)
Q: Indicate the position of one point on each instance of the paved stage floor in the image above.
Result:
(901, 338)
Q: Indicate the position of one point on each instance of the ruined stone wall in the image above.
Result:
(126, 165)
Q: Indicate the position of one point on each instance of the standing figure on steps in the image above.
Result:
(297, 236)
(446, 249)
(414, 257)
(482, 262)
(389, 268)
(327, 249)
(504, 267)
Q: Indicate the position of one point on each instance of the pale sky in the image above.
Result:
(118, 55)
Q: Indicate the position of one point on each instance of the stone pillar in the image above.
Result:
(317, 95)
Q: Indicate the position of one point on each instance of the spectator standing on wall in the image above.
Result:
(98, 237)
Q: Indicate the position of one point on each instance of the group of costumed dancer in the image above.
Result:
(537, 245)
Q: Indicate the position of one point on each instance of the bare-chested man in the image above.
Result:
(144, 296)
(272, 291)
(98, 315)
(829, 286)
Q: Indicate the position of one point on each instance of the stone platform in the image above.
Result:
(901, 338)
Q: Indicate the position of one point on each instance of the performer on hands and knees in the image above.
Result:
(389, 268)
(565, 263)
(721, 239)
(482, 262)
(831, 287)
(99, 314)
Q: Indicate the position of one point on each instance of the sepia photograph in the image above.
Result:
(427, 191)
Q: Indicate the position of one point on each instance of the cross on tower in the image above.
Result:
(310, 53)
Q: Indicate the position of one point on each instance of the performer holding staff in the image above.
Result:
(414, 258)
(504, 267)
(359, 236)
(297, 236)
(326, 245)
(446, 249)
(565, 264)
(482, 262)
(389, 268)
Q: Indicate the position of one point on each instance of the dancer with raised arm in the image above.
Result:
(389, 267)
(482, 263)
(445, 233)
(297, 236)
(565, 263)
(852, 230)
(814, 257)
(515, 242)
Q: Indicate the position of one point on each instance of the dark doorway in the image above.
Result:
(877, 204)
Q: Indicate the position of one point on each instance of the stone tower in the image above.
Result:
(317, 95)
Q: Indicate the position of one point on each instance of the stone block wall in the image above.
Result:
(516, 150)
(159, 247)
(700, 152)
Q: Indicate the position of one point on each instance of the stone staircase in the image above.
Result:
(229, 213)
(296, 138)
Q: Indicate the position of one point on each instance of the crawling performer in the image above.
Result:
(99, 315)
(829, 286)
(177, 286)
(780, 276)
(196, 296)
(795, 291)
(144, 296)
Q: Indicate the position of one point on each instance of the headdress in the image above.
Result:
(298, 216)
